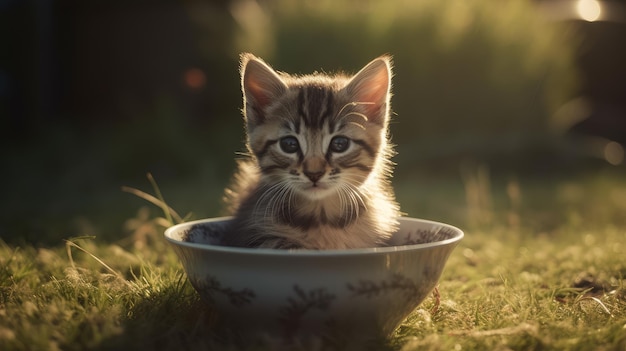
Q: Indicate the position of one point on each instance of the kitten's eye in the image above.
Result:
(339, 144)
(289, 144)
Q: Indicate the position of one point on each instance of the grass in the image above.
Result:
(541, 267)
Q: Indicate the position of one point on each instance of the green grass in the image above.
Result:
(541, 267)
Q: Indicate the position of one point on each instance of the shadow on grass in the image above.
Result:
(177, 319)
(172, 319)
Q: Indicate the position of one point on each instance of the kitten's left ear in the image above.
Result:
(372, 87)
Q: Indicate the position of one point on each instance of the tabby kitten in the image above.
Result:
(317, 176)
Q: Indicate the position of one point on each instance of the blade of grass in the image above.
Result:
(599, 302)
(170, 214)
(69, 244)
(168, 211)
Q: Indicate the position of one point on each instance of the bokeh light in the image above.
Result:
(194, 78)
(614, 153)
(589, 10)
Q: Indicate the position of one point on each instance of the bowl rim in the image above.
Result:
(459, 234)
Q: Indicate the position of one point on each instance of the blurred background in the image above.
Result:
(96, 94)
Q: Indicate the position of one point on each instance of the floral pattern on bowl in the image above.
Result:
(362, 293)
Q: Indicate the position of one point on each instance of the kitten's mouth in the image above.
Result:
(316, 189)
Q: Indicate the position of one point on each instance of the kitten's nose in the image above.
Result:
(314, 168)
(314, 176)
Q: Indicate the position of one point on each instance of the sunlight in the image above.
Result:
(614, 153)
(589, 10)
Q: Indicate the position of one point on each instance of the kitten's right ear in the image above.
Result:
(260, 85)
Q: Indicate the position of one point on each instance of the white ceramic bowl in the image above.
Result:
(362, 293)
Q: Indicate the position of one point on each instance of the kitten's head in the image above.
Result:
(317, 134)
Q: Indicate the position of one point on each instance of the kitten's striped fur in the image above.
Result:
(317, 176)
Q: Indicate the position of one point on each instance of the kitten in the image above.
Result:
(317, 176)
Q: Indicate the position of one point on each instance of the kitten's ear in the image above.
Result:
(260, 85)
(371, 86)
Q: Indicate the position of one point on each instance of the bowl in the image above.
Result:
(356, 293)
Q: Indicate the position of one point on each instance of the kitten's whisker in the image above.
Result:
(344, 107)
(343, 203)
(356, 199)
(351, 201)
(265, 192)
(357, 125)
(353, 204)
(360, 197)
(285, 203)
(277, 203)
(343, 200)
(245, 154)
(290, 199)
(268, 198)
(358, 114)
(352, 104)
(353, 179)
(271, 206)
